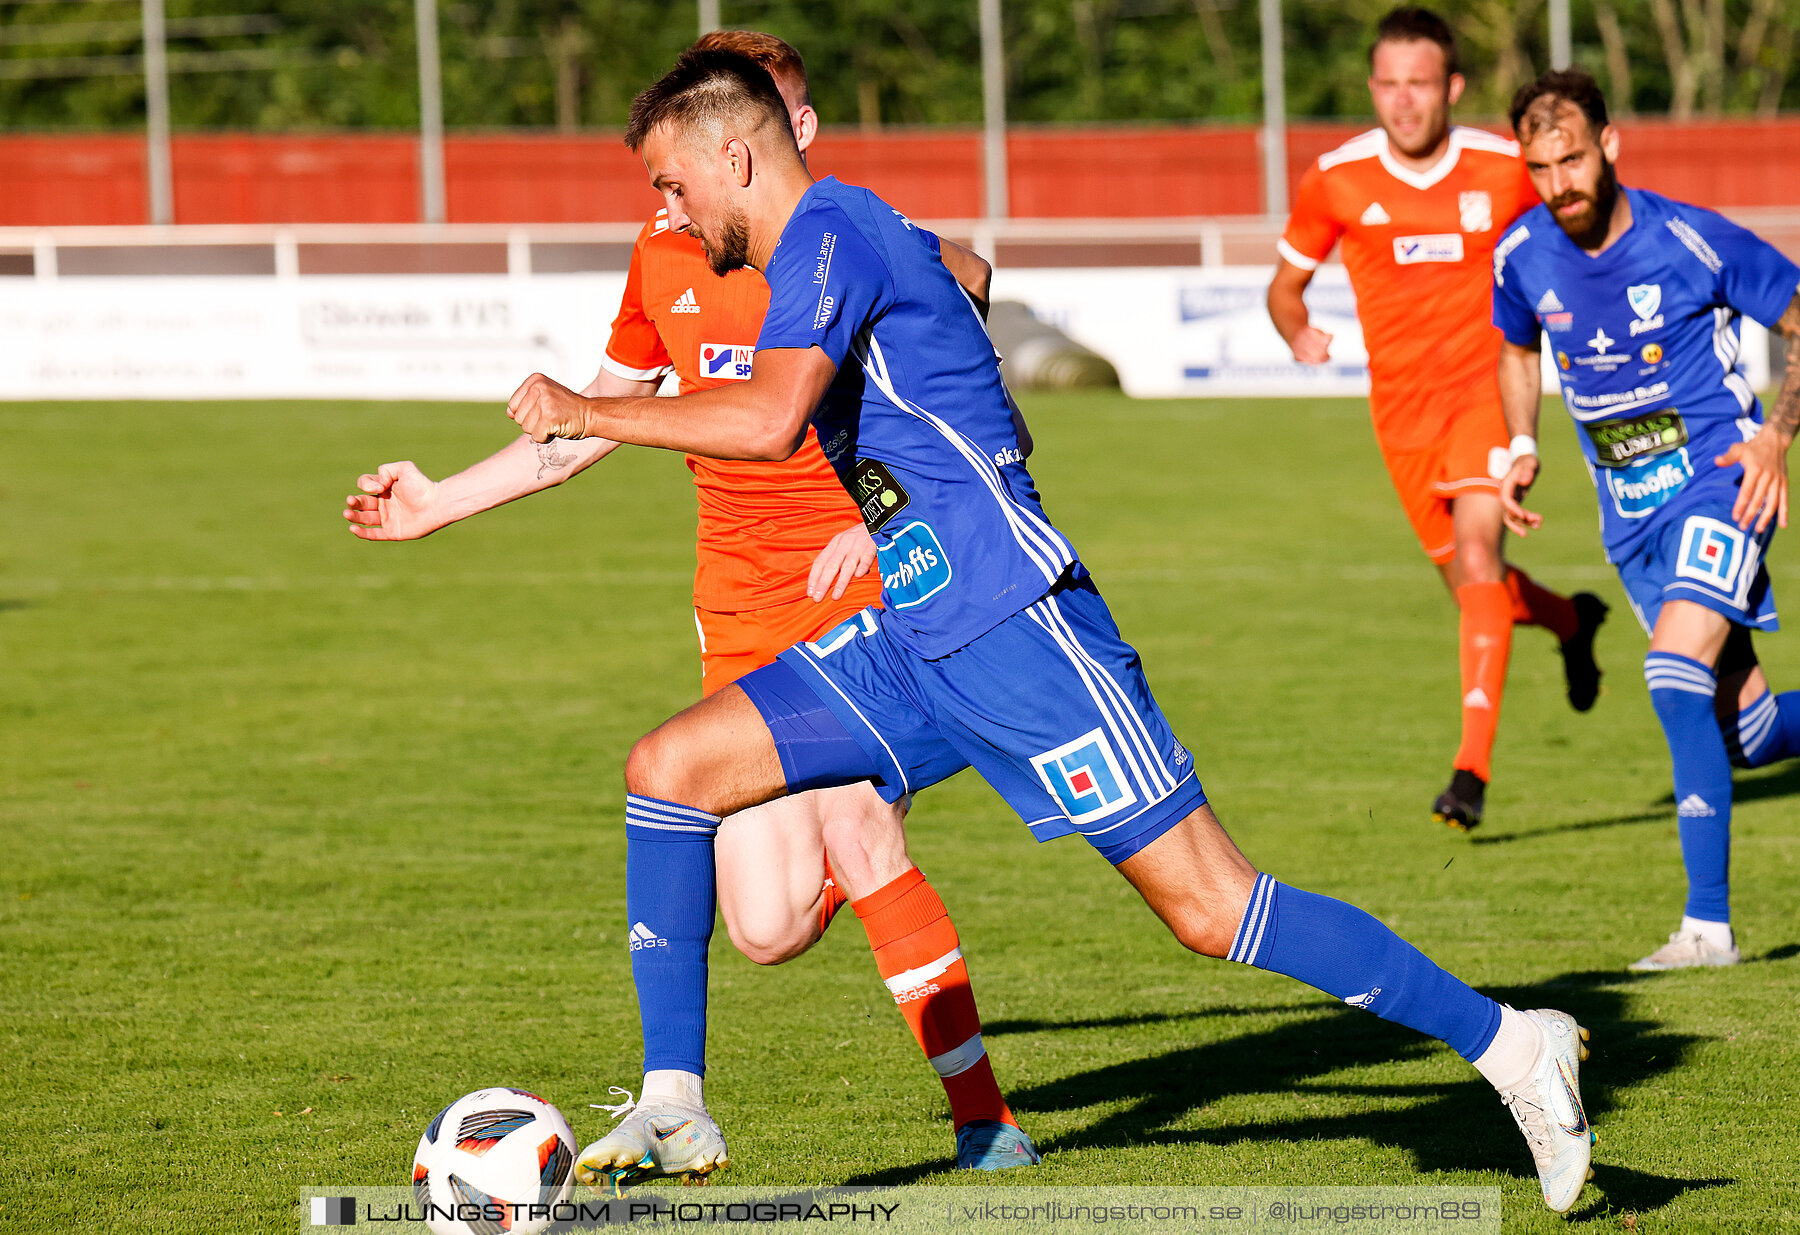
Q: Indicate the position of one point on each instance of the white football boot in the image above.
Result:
(1686, 950)
(1548, 1110)
(654, 1138)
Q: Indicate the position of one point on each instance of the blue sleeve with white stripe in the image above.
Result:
(826, 285)
(1753, 277)
(1513, 313)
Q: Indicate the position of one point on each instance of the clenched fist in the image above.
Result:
(547, 409)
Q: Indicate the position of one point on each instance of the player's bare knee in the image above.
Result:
(1199, 929)
(657, 767)
(765, 941)
(1478, 562)
(866, 848)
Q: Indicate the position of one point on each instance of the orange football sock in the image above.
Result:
(1536, 605)
(832, 900)
(920, 958)
(1486, 639)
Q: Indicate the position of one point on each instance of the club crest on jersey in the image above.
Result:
(725, 361)
(1645, 300)
(1477, 210)
(1085, 778)
(1410, 250)
(1716, 554)
(914, 566)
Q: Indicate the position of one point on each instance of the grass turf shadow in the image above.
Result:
(1455, 1127)
(1782, 781)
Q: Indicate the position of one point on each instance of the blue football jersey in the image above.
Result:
(1645, 337)
(917, 423)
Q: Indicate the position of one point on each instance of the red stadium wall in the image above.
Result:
(509, 178)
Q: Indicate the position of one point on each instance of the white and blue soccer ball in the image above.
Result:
(494, 1160)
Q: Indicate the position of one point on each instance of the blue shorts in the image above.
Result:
(1702, 556)
(1050, 707)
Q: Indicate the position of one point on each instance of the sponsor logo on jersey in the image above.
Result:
(821, 276)
(1619, 443)
(877, 493)
(1603, 361)
(685, 303)
(1410, 250)
(1652, 353)
(726, 361)
(1477, 210)
(1638, 489)
(914, 566)
(1620, 398)
(1514, 238)
(1084, 777)
(1374, 216)
(1713, 553)
(1645, 300)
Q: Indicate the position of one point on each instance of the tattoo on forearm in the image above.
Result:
(550, 459)
(1785, 413)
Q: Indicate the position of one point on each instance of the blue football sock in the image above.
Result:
(1682, 692)
(669, 900)
(1347, 953)
(1768, 730)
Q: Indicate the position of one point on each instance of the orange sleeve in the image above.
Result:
(635, 351)
(1312, 229)
(1527, 195)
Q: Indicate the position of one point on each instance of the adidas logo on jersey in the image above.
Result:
(1549, 303)
(1693, 806)
(643, 937)
(1375, 216)
(686, 303)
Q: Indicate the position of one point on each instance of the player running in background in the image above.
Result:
(782, 556)
(1417, 205)
(994, 649)
(1641, 296)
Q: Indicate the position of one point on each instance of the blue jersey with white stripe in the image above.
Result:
(917, 422)
(1645, 337)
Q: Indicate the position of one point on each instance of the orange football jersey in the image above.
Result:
(761, 524)
(1419, 247)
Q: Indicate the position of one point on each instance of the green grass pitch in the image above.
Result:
(306, 836)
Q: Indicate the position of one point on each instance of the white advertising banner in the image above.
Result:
(319, 337)
(1169, 331)
(1206, 330)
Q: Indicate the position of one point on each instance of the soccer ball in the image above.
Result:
(494, 1160)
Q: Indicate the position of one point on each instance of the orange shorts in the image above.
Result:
(733, 644)
(1460, 461)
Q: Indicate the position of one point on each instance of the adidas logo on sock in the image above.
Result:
(643, 937)
(1549, 303)
(686, 304)
(1477, 698)
(1365, 1001)
(1693, 806)
(1375, 216)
